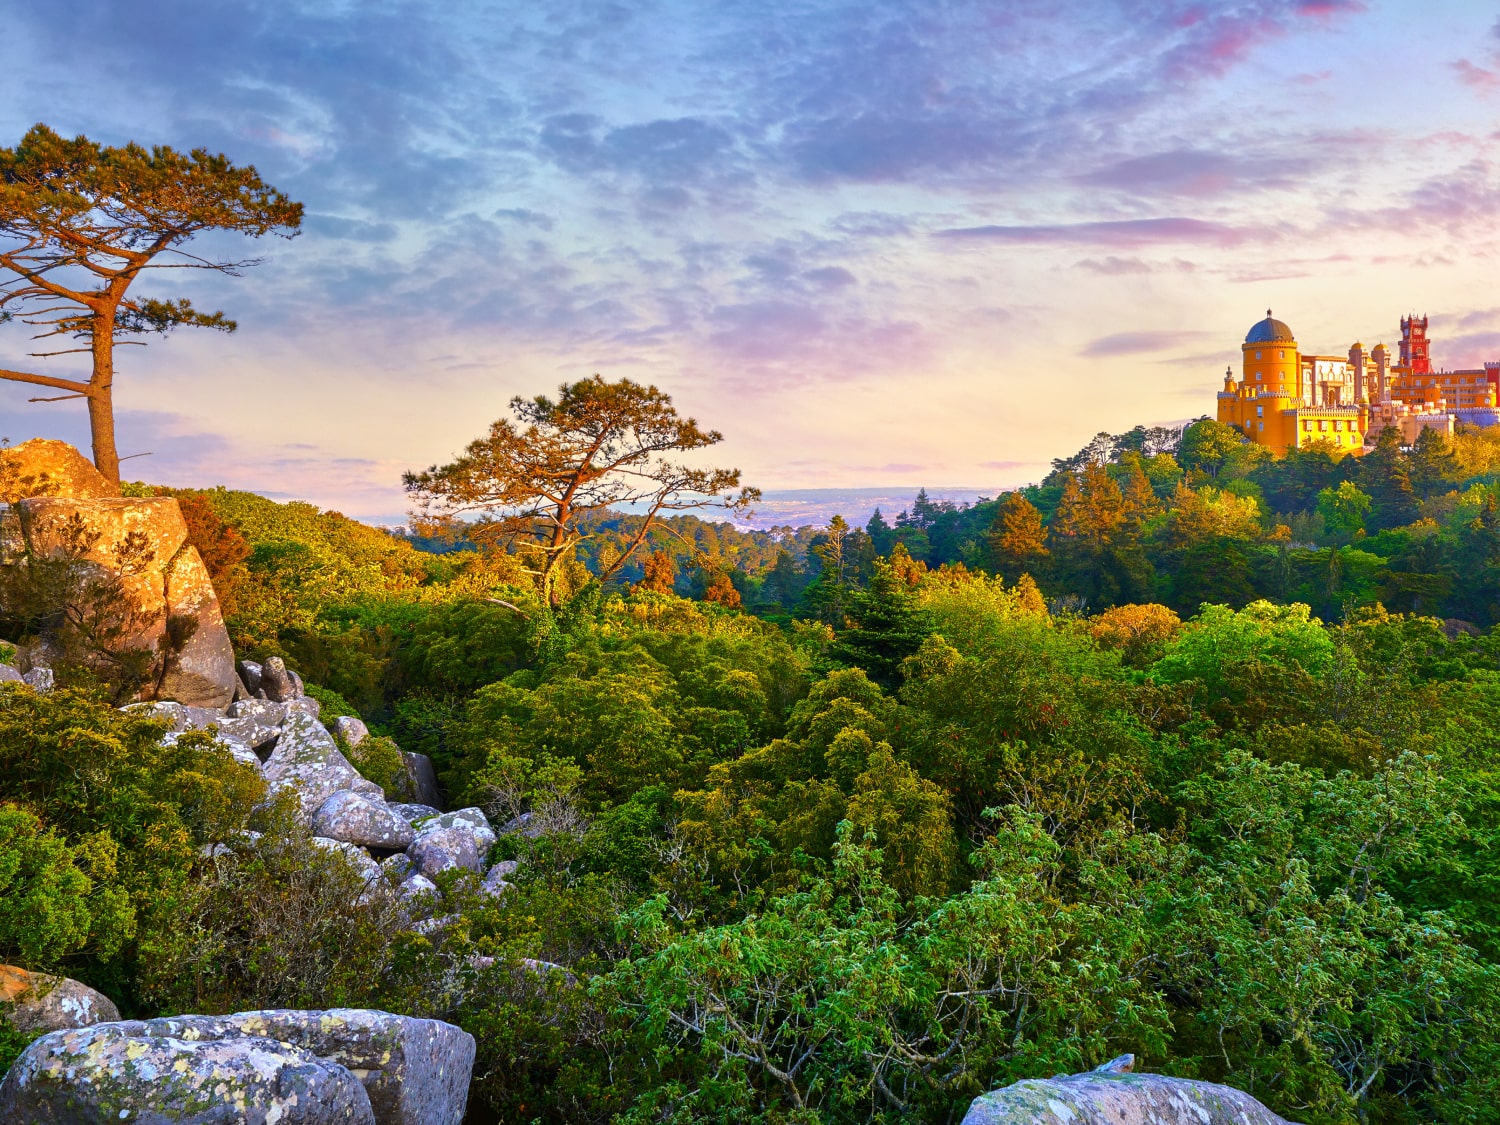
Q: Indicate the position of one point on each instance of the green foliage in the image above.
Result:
(46, 912)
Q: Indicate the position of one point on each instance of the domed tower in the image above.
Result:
(1272, 369)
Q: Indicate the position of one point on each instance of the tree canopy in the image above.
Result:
(598, 446)
(81, 222)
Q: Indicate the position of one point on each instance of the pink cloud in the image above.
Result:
(1124, 233)
(1477, 77)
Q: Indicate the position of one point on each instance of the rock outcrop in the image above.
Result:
(1111, 1095)
(143, 588)
(349, 1066)
(307, 759)
(37, 1002)
(123, 1072)
(42, 467)
(359, 819)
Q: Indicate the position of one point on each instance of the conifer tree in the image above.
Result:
(81, 222)
(1385, 473)
(1017, 537)
(1141, 503)
(1434, 468)
(885, 625)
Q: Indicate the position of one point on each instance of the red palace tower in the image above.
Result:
(1414, 345)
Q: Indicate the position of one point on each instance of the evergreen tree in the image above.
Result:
(880, 533)
(1017, 538)
(885, 626)
(1141, 503)
(1434, 468)
(1385, 473)
(784, 582)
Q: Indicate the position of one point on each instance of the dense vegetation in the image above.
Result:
(1180, 752)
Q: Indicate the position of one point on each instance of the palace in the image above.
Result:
(1286, 399)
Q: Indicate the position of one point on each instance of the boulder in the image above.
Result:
(276, 681)
(397, 867)
(1112, 1095)
(503, 870)
(421, 779)
(358, 858)
(443, 849)
(97, 533)
(306, 758)
(242, 753)
(42, 467)
(419, 891)
(39, 680)
(130, 1072)
(358, 819)
(200, 664)
(165, 604)
(263, 711)
(249, 672)
(415, 1071)
(415, 812)
(470, 820)
(351, 730)
(495, 884)
(9, 675)
(37, 1002)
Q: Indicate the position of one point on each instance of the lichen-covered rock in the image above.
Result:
(351, 730)
(360, 859)
(10, 675)
(37, 1002)
(276, 681)
(134, 551)
(494, 883)
(358, 819)
(43, 467)
(307, 759)
(421, 779)
(39, 680)
(443, 849)
(261, 710)
(415, 1071)
(127, 1071)
(1117, 1098)
(414, 812)
(200, 664)
(470, 820)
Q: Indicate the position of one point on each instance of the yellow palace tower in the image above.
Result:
(1285, 399)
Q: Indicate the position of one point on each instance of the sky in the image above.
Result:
(878, 244)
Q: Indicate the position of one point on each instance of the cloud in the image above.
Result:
(1113, 266)
(1124, 233)
(1477, 77)
(1137, 343)
(1190, 172)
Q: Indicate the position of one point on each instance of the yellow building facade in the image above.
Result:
(1285, 399)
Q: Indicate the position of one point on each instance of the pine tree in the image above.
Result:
(885, 627)
(1434, 468)
(1141, 503)
(1385, 473)
(1067, 521)
(1017, 536)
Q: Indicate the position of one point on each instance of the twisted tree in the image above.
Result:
(598, 446)
(80, 222)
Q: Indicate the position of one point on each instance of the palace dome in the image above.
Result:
(1270, 331)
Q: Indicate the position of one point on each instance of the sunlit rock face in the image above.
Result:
(124, 560)
(41, 467)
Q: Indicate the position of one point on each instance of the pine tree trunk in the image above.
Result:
(101, 402)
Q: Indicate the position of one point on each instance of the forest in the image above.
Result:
(1185, 751)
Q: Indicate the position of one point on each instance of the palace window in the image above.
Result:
(1257, 376)
(1322, 425)
(1260, 411)
(1257, 355)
